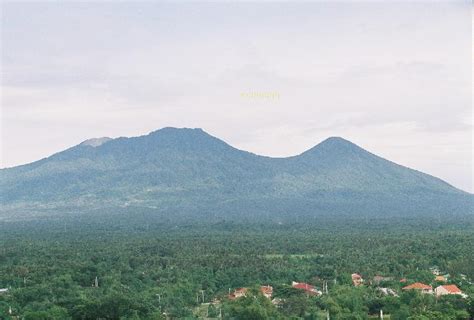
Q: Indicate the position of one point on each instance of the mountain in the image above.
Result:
(186, 174)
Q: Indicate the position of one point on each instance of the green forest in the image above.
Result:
(67, 269)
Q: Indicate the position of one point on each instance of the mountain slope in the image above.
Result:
(188, 173)
(340, 164)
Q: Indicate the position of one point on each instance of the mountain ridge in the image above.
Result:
(332, 140)
(189, 171)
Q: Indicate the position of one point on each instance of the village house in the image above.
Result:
(3, 290)
(357, 279)
(440, 278)
(306, 287)
(449, 289)
(267, 291)
(240, 292)
(423, 288)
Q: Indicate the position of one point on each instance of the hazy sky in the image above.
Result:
(394, 78)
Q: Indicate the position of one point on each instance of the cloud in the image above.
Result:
(394, 77)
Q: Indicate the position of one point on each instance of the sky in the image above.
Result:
(273, 78)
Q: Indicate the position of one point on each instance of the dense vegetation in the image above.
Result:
(153, 271)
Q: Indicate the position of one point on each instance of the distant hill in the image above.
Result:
(186, 174)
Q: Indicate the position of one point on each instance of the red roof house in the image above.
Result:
(306, 287)
(357, 279)
(240, 292)
(440, 278)
(424, 288)
(267, 291)
(447, 289)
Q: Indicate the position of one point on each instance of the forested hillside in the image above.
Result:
(186, 174)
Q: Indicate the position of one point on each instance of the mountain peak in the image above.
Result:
(185, 139)
(177, 130)
(333, 145)
(337, 143)
(336, 140)
(173, 132)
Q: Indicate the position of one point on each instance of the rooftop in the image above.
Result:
(418, 286)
